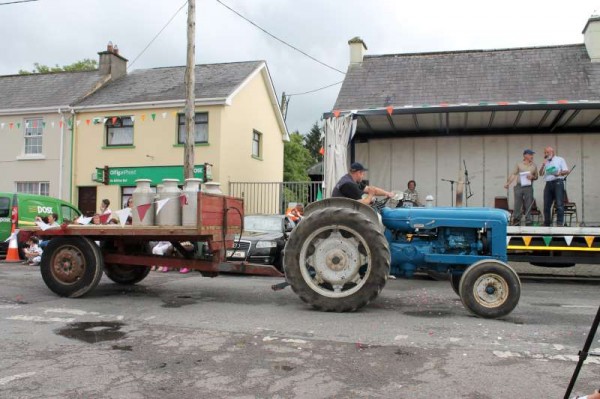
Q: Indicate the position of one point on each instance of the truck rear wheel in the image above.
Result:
(337, 260)
(71, 266)
(490, 289)
(126, 275)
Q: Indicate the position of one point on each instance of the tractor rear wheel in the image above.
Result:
(337, 259)
(490, 289)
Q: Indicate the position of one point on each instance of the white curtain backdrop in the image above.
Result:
(338, 133)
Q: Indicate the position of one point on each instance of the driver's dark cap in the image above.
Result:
(356, 167)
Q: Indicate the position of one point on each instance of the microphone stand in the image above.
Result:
(451, 190)
(468, 192)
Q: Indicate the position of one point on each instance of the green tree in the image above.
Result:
(313, 143)
(296, 159)
(86, 64)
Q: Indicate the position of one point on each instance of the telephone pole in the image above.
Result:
(190, 85)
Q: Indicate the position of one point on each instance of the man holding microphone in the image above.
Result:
(554, 170)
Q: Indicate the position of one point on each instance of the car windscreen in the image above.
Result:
(266, 224)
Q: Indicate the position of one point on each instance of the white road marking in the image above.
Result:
(41, 319)
(578, 306)
(567, 358)
(294, 341)
(75, 312)
(6, 380)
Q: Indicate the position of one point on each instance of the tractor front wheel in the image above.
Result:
(490, 289)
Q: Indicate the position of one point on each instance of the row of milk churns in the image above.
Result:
(173, 213)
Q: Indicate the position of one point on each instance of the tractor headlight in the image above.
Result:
(266, 244)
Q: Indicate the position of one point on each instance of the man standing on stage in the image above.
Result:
(554, 169)
(525, 172)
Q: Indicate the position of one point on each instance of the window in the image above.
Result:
(33, 135)
(256, 144)
(69, 213)
(119, 131)
(33, 187)
(4, 207)
(200, 128)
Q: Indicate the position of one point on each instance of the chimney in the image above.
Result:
(111, 63)
(357, 49)
(591, 37)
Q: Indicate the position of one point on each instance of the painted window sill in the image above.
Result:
(113, 147)
(31, 157)
(257, 158)
(195, 145)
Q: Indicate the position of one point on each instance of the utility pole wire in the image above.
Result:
(278, 39)
(155, 37)
(15, 2)
(315, 90)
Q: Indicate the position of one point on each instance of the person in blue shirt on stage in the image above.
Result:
(554, 170)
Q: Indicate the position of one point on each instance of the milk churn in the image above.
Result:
(189, 209)
(143, 195)
(212, 187)
(170, 213)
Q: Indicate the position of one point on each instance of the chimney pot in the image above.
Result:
(116, 49)
(109, 47)
(357, 49)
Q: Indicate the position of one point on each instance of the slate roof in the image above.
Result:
(518, 74)
(163, 84)
(46, 89)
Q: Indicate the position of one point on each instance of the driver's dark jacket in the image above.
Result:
(347, 187)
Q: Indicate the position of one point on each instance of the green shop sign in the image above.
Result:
(128, 175)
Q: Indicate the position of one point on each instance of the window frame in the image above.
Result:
(181, 123)
(28, 135)
(111, 127)
(257, 141)
(43, 187)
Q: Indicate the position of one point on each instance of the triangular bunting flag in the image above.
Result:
(60, 124)
(319, 194)
(589, 240)
(84, 220)
(142, 210)
(123, 214)
(114, 120)
(78, 122)
(18, 125)
(70, 122)
(35, 125)
(527, 240)
(87, 122)
(160, 204)
(336, 113)
(174, 113)
(104, 120)
(153, 115)
(52, 124)
(390, 109)
(2, 125)
(44, 125)
(183, 199)
(322, 151)
(143, 117)
(10, 125)
(547, 240)
(508, 239)
(568, 240)
(27, 124)
(164, 115)
(132, 118)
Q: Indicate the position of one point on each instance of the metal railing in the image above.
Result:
(274, 197)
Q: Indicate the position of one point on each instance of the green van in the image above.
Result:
(23, 208)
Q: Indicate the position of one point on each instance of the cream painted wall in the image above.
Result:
(251, 109)
(154, 144)
(489, 159)
(16, 166)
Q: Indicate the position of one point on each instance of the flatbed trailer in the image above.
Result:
(553, 246)
(77, 255)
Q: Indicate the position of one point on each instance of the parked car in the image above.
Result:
(262, 240)
(23, 208)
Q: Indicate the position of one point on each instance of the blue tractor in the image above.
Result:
(341, 254)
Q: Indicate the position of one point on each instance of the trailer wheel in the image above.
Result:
(490, 289)
(127, 275)
(71, 266)
(455, 282)
(337, 260)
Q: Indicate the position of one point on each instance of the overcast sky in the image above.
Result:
(64, 31)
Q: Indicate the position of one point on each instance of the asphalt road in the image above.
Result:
(187, 336)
